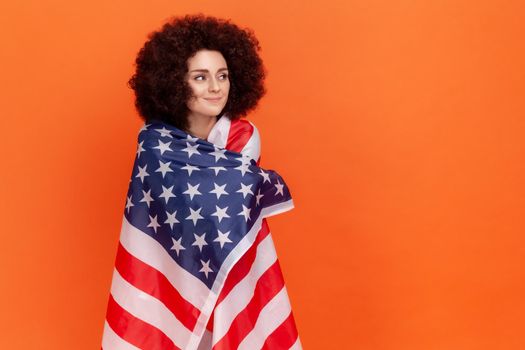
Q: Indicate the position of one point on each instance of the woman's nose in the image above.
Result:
(214, 85)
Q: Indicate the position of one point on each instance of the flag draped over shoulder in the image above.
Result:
(196, 267)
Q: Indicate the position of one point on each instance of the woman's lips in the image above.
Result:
(213, 100)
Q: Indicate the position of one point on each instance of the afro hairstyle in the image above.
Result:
(161, 91)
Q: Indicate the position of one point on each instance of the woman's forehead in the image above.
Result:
(207, 60)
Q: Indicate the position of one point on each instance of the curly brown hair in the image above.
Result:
(160, 89)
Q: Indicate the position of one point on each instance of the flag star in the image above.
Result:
(177, 245)
(195, 215)
(145, 127)
(199, 241)
(218, 154)
(164, 132)
(220, 213)
(164, 168)
(171, 219)
(206, 267)
(129, 204)
(147, 197)
(245, 190)
(222, 238)
(163, 147)
(153, 223)
(258, 196)
(191, 149)
(217, 169)
(245, 212)
(192, 190)
(140, 149)
(167, 193)
(190, 168)
(191, 139)
(244, 168)
(279, 186)
(142, 173)
(219, 190)
(265, 175)
(246, 159)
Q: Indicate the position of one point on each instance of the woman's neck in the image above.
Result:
(200, 125)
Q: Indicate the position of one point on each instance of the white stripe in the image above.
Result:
(296, 345)
(148, 309)
(111, 340)
(219, 132)
(277, 208)
(272, 315)
(252, 148)
(205, 343)
(243, 291)
(151, 252)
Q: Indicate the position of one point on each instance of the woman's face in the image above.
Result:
(209, 81)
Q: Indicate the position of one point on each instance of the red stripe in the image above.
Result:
(240, 132)
(153, 282)
(240, 269)
(283, 337)
(243, 266)
(268, 285)
(135, 331)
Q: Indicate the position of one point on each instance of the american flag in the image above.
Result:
(196, 266)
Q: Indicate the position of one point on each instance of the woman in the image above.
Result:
(196, 267)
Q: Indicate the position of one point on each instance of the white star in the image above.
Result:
(219, 190)
(164, 168)
(279, 186)
(265, 175)
(191, 139)
(217, 169)
(167, 193)
(171, 219)
(163, 147)
(191, 149)
(220, 213)
(258, 196)
(142, 173)
(177, 245)
(206, 267)
(190, 168)
(140, 149)
(195, 215)
(164, 132)
(246, 159)
(128, 203)
(245, 212)
(199, 241)
(192, 190)
(147, 197)
(153, 222)
(144, 128)
(245, 190)
(244, 168)
(222, 238)
(218, 153)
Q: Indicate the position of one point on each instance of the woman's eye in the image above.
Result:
(202, 77)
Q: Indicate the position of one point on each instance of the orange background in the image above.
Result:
(397, 125)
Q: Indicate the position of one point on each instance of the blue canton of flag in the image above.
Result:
(197, 200)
